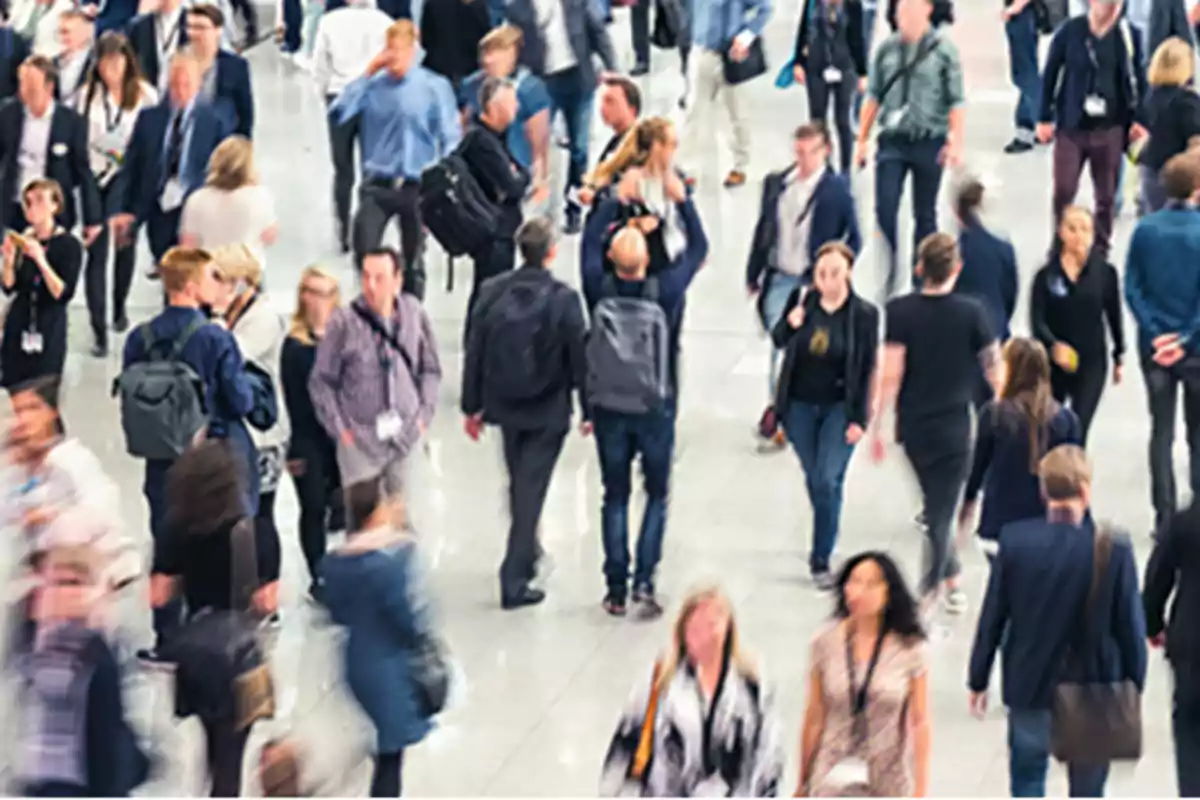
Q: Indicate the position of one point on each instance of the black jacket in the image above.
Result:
(552, 411)
(143, 37)
(1172, 115)
(1174, 568)
(450, 34)
(66, 162)
(500, 176)
(585, 31)
(855, 37)
(862, 347)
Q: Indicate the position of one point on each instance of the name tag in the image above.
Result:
(31, 342)
(388, 426)
(1095, 106)
(848, 773)
(172, 195)
(832, 75)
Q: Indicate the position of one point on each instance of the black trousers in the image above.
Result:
(226, 749)
(639, 28)
(96, 277)
(496, 258)
(1185, 728)
(530, 457)
(822, 94)
(318, 486)
(941, 475)
(386, 779)
(1081, 390)
(341, 149)
(264, 522)
(378, 204)
(1162, 395)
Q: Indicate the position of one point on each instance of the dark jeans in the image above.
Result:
(620, 438)
(497, 257)
(941, 475)
(1162, 395)
(530, 457)
(818, 435)
(1029, 756)
(96, 277)
(386, 778)
(571, 98)
(1081, 389)
(1185, 728)
(162, 232)
(898, 157)
(378, 203)
(318, 487)
(226, 748)
(341, 149)
(841, 96)
(1023, 67)
(639, 27)
(167, 617)
(1102, 150)
(1153, 196)
(293, 23)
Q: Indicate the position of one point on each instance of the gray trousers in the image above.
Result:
(356, 466)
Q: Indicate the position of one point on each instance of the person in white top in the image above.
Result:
(114, 94)
(37, 22)
(232, 207)
(75, 36)
(347, 38)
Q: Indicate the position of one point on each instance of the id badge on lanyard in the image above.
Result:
(388, 425)
(31, 338)
(1094, 104)
(854, 771)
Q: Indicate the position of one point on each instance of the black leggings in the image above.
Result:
(265, 524)
(820, 93)
(385, 782)
(318, 487)
(1081, 390)
(226, 749)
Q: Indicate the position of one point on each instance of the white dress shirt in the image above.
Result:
(35, 148)
(347, 40)
(791, 255)
(167, 30)
(72, 76)
(552, 22)
(43, 19)
(109, 129)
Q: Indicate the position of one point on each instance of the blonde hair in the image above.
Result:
(231, 165)
(181, 266)
(633, 150)
(298, 329)
(237, 262)
(1064, 472)
(402, 30)
(501, 38)
(1173, 64)
(677, 655)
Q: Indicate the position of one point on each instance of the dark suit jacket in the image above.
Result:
(234, 99)
(66, 162)
(13, 50)
(139, 184)
(587, 34)
(1173, 574)
(144, 39)
(498, 173)
(115, 15)
(989, 274)
(854, 35)
(832, 218)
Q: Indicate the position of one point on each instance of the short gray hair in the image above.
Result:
(535, 240)
(491, 87)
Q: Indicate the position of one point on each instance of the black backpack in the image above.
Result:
(519, 340)
(454, 207)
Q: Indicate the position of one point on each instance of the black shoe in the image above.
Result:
(573, 223)
(151, 656)
(1018, 146)
(648, 605)
(121, 324)
(526, 597)
(639, 69)
(100, 350)
(614, 604)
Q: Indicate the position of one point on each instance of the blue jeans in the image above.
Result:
(868, 21)
(620, 438)
(818, 435)
(569, 97)
(1029, 756)
(899, 156)
(293, 25)
(1023, 67)
(779, 288)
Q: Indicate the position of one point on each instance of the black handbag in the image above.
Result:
(670, 19)
(749, 68)
(430, 670)
(1095, 722)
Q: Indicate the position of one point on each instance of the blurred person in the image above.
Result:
(452, 34)
(75, 59)
(620, 106)
(640, 35)
(989, 263)
(312, 452)
(232, 208)
(1172, 114)
(874, 651)
(1012, 434)
(705, 725)
(1162, 287)
(14, 49)
(1059, 586)
(36, 21)
(831, 62)
(195, 561)
(372, 588)
(157, 35)
(40, 272)
(529, 398)
(1074, 298)
(224, 76)
(830, 338)
(803, 208)
(112, 100)
(375, 380)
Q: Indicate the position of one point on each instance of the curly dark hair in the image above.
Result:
(204, 489)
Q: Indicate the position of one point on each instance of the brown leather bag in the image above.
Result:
(1095, 723)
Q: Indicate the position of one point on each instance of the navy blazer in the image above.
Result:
(115, 15)
(144, 39)
(833, 218)
(14, 49)
(140, 182)
(586, 32)
(66, 162)
(989, 273)
(1067, 77)
(234, 100)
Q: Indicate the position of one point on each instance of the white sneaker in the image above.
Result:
(954, 601)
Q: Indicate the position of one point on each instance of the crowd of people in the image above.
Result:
(116, 120)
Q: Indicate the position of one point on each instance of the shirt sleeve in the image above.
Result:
(326, 375)
(953, 76)
(896, 324)
(536, 96)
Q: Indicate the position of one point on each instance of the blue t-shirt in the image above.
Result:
(532, 98)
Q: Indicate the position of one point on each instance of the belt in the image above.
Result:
(386, 183)
(910, 136)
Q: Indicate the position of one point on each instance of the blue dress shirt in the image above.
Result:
(406, 124)
(532, 99)
(715, 23)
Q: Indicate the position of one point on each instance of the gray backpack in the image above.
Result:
(162, 398)
(628, 351)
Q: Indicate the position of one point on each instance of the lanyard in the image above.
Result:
(165, 38)
(858, 695)
(111, 122)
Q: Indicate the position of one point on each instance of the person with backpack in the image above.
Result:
(375, 380)
(197, 368)
(1093, 90)
(632, 381)
(524, 358)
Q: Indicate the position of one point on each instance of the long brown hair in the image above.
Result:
(113, 43)
(633, 150)
(1026, 390)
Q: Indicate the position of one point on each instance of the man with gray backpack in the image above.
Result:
(182, 378)
(631, 385)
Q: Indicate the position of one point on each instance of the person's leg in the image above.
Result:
(1161, 397)
(615, 449)
(1106, 156)
(639, 26)
(530, 457)
(1086, 780)
(371, 219)
(1028, 752)
(940, 477)
(890, 169)
(124, 259)
(1185, 728)
(395, 477)
(926, 166)
(843, 107)
(1089, 387)
(1022, 35)
(579, 125)
(733, 96)
(656, 443)
(703, 76)
(226, 751)
(833, 458)
(162, 233)
(1191, 419)
(1152, 194)
(1068, 166)
(385, 780)
(412, 239)
(293, 22)
(341, 151)
(166, 618)
(818, 94)
(310, 480)
(779, 288)
(96, 282)
(800, 423)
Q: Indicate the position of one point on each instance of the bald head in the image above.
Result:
(629, 253)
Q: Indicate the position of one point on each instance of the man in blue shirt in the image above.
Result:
(190, 278)
(1039, 608)
(408, 120)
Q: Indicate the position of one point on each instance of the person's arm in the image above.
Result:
(1113, 313)
(1144, 312)
(1039, 323)
(1052, 75)
(919, 727)
(1161, 574)
(851, 233)
(352, 100)
(760, 249)
(53, 285)
(492, 163)
(1129, 620)
(782, 333)
(448, 125)
(471, 402)
(985, 445)
(322, 59)
(81, 171)
(1139, 76)
(243, 99)
(574, 333)
(993, 619)
(326, 377)
(857, 38)
(1009, 285)
(8, 277)
(599, 41)
(812, 728)
(537, 133)
(861, 408)
(233, 389)
(755, 19)
(592, 247)
(987, 345)
(429, 372)
(398, 598)
(293, 378)
(956, 102)
(801, 46)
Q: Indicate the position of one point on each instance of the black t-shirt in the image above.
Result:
(819, 375)
(204, 564)
(942, 336)
(1104, 54)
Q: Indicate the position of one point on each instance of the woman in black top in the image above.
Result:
(1073, 296)
(829, 338)
(1172, 113)
(41, 268)
(831, 60)
(312, 458)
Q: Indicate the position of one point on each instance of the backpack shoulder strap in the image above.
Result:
(147, 336)
(243, 576)
(650, 289)
(185, 337)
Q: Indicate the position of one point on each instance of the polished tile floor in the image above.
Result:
(542, 687)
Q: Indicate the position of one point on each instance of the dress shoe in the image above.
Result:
(735, 178)
(526, 597)
(99, 350)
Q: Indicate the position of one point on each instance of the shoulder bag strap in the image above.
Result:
(243, 578)
(650, 289)
(926, 49)
(645, 746)
(392, 341)
(1101, 556)
(185, 337)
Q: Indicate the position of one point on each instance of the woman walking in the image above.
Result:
(831, 61)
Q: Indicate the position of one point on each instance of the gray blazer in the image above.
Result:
(587, 34)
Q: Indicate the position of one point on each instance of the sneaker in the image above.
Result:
(735, 178)
(121, 324)
(99, 350)
(573, 221)
(954, 601)
(614, 604)
(648, 605)
(1017, 146)
(824, 580)
(639, 70)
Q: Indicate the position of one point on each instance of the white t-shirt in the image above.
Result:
(217, 218)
